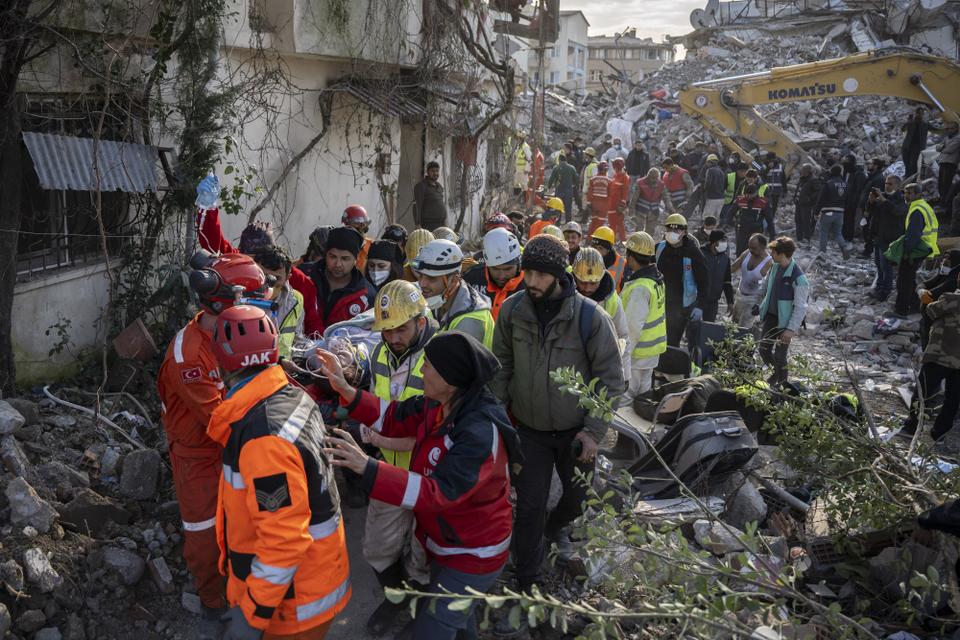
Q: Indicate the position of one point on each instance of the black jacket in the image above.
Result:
(714, 183)
(637, 164)
(887, 218)
(670, 264)
(808, 190)
(875, 179)
(833, 195)
(718, 268)
(856, 178)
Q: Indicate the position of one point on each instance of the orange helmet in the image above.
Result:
(220, 281)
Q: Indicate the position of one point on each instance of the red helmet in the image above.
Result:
(355, 214)
(602, 166)
(497, 221)
(618, 162)
(219, 279)
(245, 336)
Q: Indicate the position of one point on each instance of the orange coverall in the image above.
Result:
(598, 195)
(619, 193)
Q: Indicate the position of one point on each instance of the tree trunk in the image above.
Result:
(10, 183)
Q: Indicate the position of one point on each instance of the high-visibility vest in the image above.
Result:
(931, 226)
(763, 189)
(653, 338)
(288, 324)
(483, 316)
(616, 270)
(611, 303)
(413, 386)
(730, 192)
(677, 188)
(521, 156)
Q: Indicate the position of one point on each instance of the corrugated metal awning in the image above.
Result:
(66, 162)
(392, 100)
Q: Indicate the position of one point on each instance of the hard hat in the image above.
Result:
(218, 280)
(553, 230)
(588, 265)
(604, 233)
(438, 258)
(497, 221)
(574, 226)
(618, 162)
(675, 218)
(398, 302)
(521, 134)
(590, 151)
(603, 165)
(712, 157)
(500, 247)
(355, 214)
(446, 233)
(556, 204)
(641, 242)
(244, 336)
(417, 239)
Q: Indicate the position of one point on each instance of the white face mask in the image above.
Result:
(945, 270)
(435, 302)
(721, 247)
(378, 276)
(673, 237)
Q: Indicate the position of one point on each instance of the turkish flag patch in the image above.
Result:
(273, 492)
(189, 376)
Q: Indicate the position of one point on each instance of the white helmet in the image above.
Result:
(500, 247)
(438, 258)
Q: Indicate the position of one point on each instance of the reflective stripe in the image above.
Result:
(178, 347)
(412, 491)
(294, 425)
(493, 447)
(270, 573)
(323, 529)
(163, 407)
(651, 343)
(324, 604)
(479, 552)
(233, 478)
(654, 323)
(199, 526)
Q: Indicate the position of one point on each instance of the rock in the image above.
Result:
(26, 507)
(73, 629)
(141, 469)
(11, 574)
(62, 421)
(14, 459)
(744, 504)
(29, 409)
(862, 330)
(191, 602)
(10, 419)
(109, 461)
(5, 620)
(161, 575)
(39, 571)
(91, 511)
(715, 538)
(56, 472)
(48, 633)
(128, 565)
(31, 620)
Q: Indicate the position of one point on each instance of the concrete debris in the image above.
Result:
(27, 508)
(39, 570)
(29, 409)
(11, 574)
(48, 633)
(191, 602)
(14, 459)
(127, 564)
(31, 621)
(141, 470)
(89, 511)
(744, 504)
(5, 620)
(716, 538)
(161, 575)
(10, 419)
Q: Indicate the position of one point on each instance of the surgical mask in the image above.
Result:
(945, 270)
(673, 237)
(378, 276)
(721, 247)
(435, 302)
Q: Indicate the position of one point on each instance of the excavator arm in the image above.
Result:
(728, 105)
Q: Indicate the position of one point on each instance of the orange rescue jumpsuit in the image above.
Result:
(619, 194)
(598, 194)
(190, 389)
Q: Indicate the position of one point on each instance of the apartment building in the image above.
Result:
(623, 57)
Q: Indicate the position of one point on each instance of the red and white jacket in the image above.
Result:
(458, 485)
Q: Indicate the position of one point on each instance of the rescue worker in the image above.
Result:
(519, 220)
(590, 168)
(446, 233)
(714, 186)
(547, 326)
(855, 178)
(783, 308)
(342, 291)
(734, 185)
(522, 158)
(619, 195)
(753, 265)
(685, 277)
(458, 484)
(396, 233)
(455, 305)
(190, 388)
(288, 314)
(499, 276)
(278, 521)
(919, 242)
(647, 196)
(775, 177)
(572, 234)
(828, 212)
(355, 217)
(417, 239)
(679, 184)
(595, 282)
(602, 240)
(754, 215)
(384, 263)
(400, 316)
(598, 195)
(551, 215)
(644, 301)
(563, 179)
(615, 151)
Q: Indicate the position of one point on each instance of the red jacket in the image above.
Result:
(210, 236)
(341, 304)
(458, 485)
(598, 194)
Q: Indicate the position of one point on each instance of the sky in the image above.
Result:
(652, 18)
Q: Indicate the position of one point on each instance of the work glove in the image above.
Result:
(207, 192)
(236, 626)
(697, 314)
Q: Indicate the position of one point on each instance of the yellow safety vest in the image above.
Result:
(653, 338)
(521, 156)
(381, 388)
(931, 226)
(483, 316)
(288, 324)
(730, 192)
(611, 304)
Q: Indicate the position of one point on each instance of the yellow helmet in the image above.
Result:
(589, 151)
(397, 302)
(556, 204)
(553, 230)
(588, 265)
(604, 233)
(675, 218)
(641, 242)
(417, 238)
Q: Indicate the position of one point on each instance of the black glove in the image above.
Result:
(237, 627)
(755, 310)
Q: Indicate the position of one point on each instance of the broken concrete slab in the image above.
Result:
(10, 419)
(56, 472)
(39, 571)
(90, 511)
(28, 508)
(29, 409)
(141, 470)
(14, 459)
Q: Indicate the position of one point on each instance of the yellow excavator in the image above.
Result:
(727, 106)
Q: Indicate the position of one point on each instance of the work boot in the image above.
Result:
(561, 538)
(384, 616)
(210, 626)
(845, 252)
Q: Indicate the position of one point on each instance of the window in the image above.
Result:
(628, 54)
(554, 53)
(651, 54)
(595, 75)
(554, 77)
(613, 54)
(597, 54)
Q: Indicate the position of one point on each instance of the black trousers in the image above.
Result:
(542, 451)
(910, 158)
(710, 310)
(677, 319)
(772, 351)
(932, 375)
(803, 218)
(945, 181)
(907, 301)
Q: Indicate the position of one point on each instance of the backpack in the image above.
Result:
(702, 388)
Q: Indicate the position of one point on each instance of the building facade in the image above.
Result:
(565, 61)
(623, 58)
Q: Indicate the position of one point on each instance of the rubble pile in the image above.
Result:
(90, 529)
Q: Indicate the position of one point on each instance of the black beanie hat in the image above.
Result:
(345, 239)
(546, 253)
(385, 250)
(461, 360)
(396, 233)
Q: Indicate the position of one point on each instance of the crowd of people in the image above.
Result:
(450, 427)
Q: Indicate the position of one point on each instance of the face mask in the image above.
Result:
(378, 276)
(945, 270)
(673, 237)
(721, 247)
(435, 302)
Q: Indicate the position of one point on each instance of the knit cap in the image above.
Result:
(546, 253)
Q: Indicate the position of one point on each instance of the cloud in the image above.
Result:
(652, 18)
